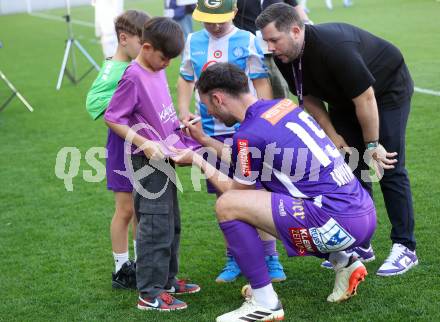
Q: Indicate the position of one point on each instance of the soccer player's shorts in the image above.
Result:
(115, 161)
(307, 230)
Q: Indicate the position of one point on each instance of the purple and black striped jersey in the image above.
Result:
(284, 148)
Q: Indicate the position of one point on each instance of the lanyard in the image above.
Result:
(298, 77)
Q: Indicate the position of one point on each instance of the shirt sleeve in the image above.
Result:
(97, 101)
(247, 158)
(123, 103)
(186, 67)
(350, 70)
(257, 67)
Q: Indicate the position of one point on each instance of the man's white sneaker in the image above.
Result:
(251, 311)
(347, 281)
(365, 255)
(400, 260)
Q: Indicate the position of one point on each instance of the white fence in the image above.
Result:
(17, 6)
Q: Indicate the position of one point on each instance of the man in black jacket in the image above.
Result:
(368, 88)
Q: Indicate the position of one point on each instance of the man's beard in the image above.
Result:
(295, 51)
(230, 122)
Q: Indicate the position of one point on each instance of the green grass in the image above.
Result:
(55, 255)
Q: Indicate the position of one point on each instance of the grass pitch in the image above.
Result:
(55, 255)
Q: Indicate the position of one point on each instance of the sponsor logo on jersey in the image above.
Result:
(331, 237)
(243, 157)
(302, 241)
(213, 3)
(278, 111)
(168, 113)
(238, 52)
(218, 54)
(198, 53)
(298, 209)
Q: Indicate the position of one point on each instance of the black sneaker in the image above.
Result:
(125, 278)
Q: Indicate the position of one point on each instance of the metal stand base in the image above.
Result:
(14, 93)
(72, 75)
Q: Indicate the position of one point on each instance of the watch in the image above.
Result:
(371, 145)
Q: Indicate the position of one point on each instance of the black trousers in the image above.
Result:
(158, 230)
(395, 183)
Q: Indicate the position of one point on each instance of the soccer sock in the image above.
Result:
(120, 259)
(228, 252)
(247, 248)
(266, 296)
(339, 259)
(134, 249)
(270, 247)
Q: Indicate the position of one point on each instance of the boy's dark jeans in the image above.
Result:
(158, 230)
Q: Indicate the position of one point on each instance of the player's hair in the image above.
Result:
(225, 77)
(165, 35)
(282, 14)
(131, 22)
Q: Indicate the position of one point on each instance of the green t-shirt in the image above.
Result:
(104, 87)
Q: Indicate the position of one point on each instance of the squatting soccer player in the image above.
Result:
(312, 202)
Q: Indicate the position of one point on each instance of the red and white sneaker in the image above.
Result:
(181, 287)
(162, 302)
(252, 311)
(347, 281)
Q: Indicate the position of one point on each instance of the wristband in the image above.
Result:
(371, 145)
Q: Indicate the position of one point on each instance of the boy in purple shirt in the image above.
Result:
(312, 202)
(141, 111)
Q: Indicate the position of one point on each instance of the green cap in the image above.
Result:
(215, 11)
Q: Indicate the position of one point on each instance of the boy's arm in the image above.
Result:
(258, 71)
(263, 88)
(220, 180)
(185, 82)
(151, 149)
(185, 90)
(223, 151)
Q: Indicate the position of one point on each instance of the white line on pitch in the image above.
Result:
(426, 91)
(52, 17)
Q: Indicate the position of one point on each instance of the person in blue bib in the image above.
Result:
(221, 41)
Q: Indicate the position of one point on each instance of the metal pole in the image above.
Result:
(64, 63)
(15, 92)
(71, 41)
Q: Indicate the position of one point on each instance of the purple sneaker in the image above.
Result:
(400, 260)
(365, 255)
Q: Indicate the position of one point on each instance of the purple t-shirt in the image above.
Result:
(283, 147)
(143, 102)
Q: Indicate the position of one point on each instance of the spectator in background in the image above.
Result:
(105, 13)
(248, 11)
(181, 12)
